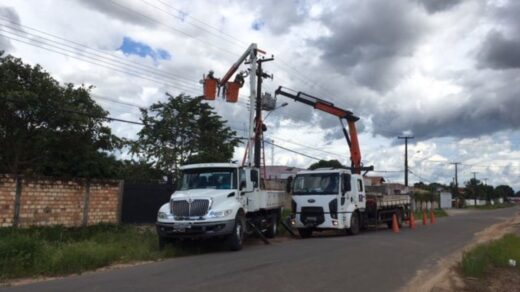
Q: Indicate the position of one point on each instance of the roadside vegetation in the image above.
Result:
(479, 261)
(52, 251)
(493, 207)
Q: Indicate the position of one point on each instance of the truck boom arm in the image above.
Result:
(342, 114)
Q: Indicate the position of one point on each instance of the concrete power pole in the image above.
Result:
(456, 176)
(405, 157)
(272, 152)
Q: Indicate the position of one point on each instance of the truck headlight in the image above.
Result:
(162, 215)
(217, 214)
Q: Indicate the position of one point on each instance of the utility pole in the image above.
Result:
(272, 151)
(405, 157)
(474, 175)
(456, 176)
(258, 120)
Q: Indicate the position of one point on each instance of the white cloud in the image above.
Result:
(418, 71)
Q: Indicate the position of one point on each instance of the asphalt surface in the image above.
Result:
(372, 261)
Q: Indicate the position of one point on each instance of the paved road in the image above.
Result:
(373, 261)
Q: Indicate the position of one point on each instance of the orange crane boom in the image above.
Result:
(328, 107)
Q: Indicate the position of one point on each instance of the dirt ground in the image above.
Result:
(446, 276)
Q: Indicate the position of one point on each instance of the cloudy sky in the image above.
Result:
(445, 71)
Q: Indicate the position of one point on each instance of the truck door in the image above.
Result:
(361, 197)
(249, 182)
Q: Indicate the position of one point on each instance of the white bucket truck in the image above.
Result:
(219, 200)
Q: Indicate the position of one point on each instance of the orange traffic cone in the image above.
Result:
(432, 217)
(412, 221)
(395, 227)
(424, 218)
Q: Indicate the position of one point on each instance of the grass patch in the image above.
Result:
(50, 251)
(493, 207)
(495, 254)
(438, 213)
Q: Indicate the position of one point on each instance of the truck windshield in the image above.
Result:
(316, 184)
(209, 178)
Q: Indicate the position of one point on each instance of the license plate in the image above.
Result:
(311, 218)
(181, 227)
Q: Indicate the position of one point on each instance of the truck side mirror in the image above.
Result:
(346, 187)
(288, 184)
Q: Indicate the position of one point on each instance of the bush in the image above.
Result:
(477, 262)
(59, 250)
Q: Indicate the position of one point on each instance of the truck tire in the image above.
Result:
(354, 224)
(305, 232)
(273, 227)
(236, 238)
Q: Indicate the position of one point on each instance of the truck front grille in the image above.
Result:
(312, 215)
(185, 208)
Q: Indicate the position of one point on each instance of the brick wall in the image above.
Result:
(51, 201)
(7, 195)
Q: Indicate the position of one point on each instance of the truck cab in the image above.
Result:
(218, 200)
(327, 199)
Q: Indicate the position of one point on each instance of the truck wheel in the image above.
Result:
(354, 224)
(273, 227)
(236, 238)
(305, 232)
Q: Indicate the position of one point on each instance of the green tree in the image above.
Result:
(182, 130)
(139, 171)
(326, 163)
(49, 129)
(504, 191)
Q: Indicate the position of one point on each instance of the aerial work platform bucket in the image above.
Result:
(232, 89)
(210, 88)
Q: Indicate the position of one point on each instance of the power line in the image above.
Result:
(306, 80)
(151, 19)
(420, 177)
(290, 150)
(100, 63)
(81, 48)
(108, 118)
(306, 146)
(89, 58)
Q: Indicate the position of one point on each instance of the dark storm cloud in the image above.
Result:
(369, 39)
(493, 106)
(501, 47)
(121, 11)
(7, 14)
(434, 6)
(497, 52)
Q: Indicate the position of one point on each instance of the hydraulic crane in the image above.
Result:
(342, 114)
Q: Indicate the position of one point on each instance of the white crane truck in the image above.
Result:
(219, 200)
(336, 198)
(326, 199)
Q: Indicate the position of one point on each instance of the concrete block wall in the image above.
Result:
(7, 200)
(49, 201)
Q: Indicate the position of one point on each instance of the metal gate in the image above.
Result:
(141, 201)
